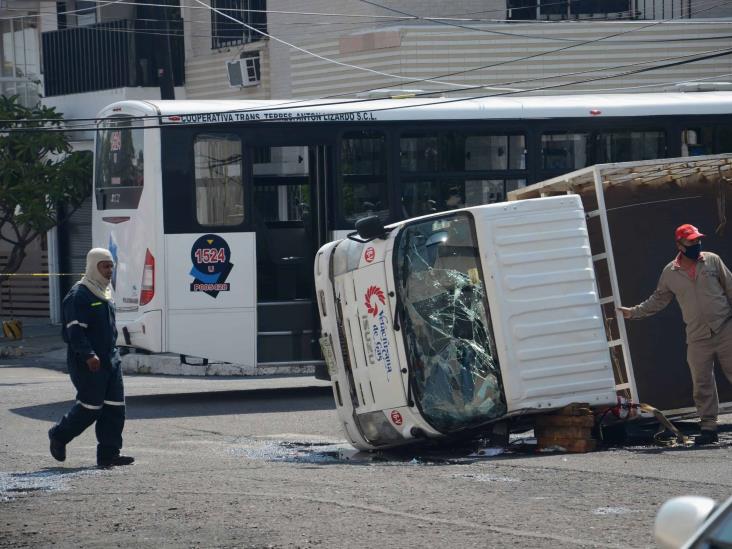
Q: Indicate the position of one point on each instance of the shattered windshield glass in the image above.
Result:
(453, 364)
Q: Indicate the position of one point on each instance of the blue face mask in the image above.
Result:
(692, 252)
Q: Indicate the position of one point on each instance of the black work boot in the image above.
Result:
(706, 437)
(114, 461)
(58, 448)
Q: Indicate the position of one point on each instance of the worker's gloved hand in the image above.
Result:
(93, 363)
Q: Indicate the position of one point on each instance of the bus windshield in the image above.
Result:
(451, 354)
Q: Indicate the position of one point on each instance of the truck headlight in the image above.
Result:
(377, 429)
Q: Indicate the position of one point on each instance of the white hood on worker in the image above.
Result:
(93, 279)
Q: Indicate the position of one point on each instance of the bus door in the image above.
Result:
(209, 275)
(289, 215)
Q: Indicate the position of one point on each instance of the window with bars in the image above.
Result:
(235, 22)
(566, 9)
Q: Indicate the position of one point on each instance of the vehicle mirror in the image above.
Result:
(679, 518)
(439, 237)
(370, 228)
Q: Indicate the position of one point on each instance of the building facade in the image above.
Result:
(21, 25)
(80, 55)
(352, 47)
(95, 54)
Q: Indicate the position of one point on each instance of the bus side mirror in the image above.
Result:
(369, 228)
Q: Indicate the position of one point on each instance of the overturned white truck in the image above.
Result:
(460, 321)
(448, 323)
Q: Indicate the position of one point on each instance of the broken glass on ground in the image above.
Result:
(454, 370)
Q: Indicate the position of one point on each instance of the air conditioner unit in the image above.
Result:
(243, 72)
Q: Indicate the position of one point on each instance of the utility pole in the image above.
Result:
(163, 57)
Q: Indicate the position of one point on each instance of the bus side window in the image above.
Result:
(724, 139)
(701, 140)
(697, 141)
(625, 146)
(482, 191)
(218, 174)
(494, 152)
(363, 176)
(564, 151)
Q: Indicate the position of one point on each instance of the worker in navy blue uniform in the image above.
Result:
(94, 364)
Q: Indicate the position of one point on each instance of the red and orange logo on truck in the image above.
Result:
(372, 305)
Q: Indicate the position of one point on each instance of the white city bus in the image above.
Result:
(214, 210)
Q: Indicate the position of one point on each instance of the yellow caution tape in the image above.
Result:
(42, 274)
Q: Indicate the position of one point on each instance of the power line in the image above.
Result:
(532, 56)
(452, 23)
(441, 20)
(331, 14)
(541, 54)
(466, 87)
(590, 71)
(160, 31)
(105, 3)
(382, 109)
(318, 56)
(387, 18)
(56, 13)
(295, 103)
(474, 87)
(665, 84)
(283, 12)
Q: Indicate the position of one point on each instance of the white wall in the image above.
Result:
(432, 51)
(422, 49)
(206, 74)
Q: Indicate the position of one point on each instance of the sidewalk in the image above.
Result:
(39, 337)
(43, 339)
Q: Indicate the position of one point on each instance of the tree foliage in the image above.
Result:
(38, 172)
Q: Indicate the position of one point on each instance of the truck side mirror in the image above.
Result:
(369, 228)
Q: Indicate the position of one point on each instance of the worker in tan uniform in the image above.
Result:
(702, 284)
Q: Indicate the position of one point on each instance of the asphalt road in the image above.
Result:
(261, 463)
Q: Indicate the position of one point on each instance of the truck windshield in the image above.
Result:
(454, 372)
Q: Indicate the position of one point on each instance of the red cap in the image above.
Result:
(689, 232)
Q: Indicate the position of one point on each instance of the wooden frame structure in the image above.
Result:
(698, 187)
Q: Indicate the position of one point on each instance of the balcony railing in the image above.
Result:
(519, 10)
(667, 9)
(109, 55)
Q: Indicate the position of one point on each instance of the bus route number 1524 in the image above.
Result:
(206, 256)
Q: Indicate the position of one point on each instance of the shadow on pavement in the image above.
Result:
(58, 470)
(255, 401)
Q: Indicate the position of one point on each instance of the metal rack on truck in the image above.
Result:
(632, 209)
